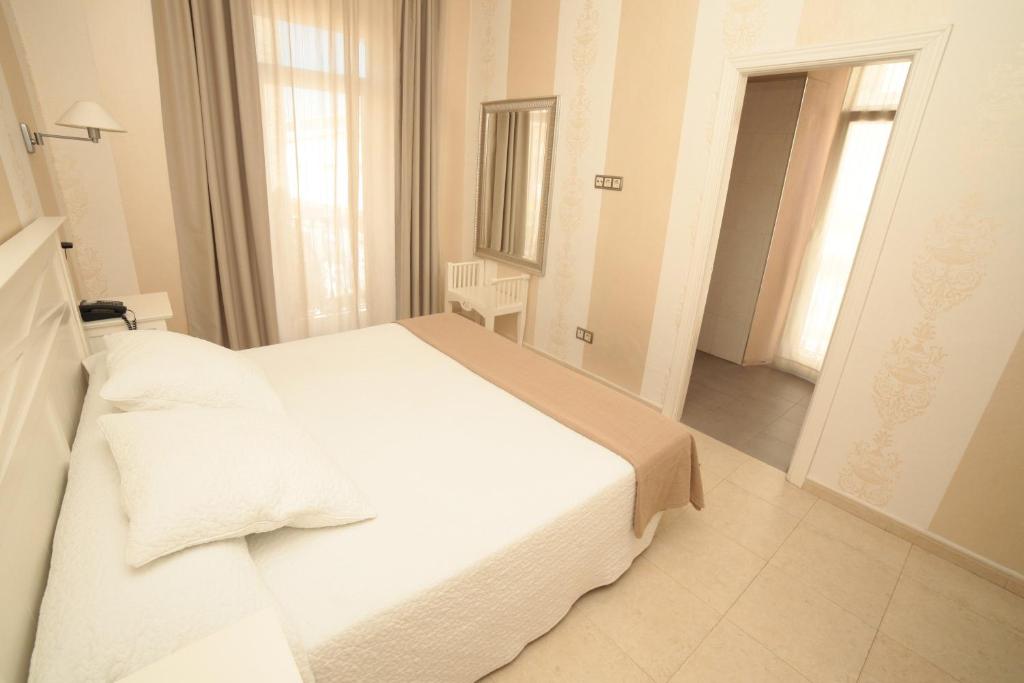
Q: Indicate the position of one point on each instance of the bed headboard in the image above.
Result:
(41, 389)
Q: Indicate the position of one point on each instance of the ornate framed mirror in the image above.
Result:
(514, 181)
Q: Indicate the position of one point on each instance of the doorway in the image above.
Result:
(808, 154)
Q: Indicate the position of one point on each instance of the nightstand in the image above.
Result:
(152, 311)
(252, 650)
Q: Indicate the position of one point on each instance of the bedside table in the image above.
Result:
(152, 311)
(252, 650)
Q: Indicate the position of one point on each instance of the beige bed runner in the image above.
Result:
(660, 450)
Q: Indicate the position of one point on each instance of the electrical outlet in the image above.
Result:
(579, 333)
(584, 335)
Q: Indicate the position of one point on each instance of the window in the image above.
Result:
(327, 92)
(868, 114)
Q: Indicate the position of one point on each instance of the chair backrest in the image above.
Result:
(510, 291)
(465, 274)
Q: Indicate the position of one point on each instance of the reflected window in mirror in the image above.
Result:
(514, 181)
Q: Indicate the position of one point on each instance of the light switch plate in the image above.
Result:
(608, 182)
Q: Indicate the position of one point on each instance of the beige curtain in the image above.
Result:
(327, 74)
(416, 234)
(210, 100)
(509, 179)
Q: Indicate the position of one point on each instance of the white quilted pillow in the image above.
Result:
(154, 369)
(197, 475)
(101, 619)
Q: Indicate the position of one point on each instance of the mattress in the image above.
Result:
(492, 517)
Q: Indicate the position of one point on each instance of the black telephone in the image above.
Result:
(101, 309)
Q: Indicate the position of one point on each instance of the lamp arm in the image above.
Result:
(91, 138)
(32, 140)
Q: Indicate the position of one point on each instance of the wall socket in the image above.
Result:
(608, 182)
(584, 335)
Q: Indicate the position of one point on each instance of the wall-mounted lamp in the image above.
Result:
(82, 114)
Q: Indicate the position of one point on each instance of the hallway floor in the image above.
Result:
(758, 409)
(771, 583)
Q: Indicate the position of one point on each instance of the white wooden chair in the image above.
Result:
(474, 285)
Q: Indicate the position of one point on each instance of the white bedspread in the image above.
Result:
(492, 518)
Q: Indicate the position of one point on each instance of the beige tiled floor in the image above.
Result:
(770, 583)
(758, 410)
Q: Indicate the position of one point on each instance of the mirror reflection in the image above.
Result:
(516, 138)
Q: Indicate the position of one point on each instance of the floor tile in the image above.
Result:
(963, 560)
(756, 411)
(966, 589)
(890, 662)
(716, 569)
(651, 617)
(769, 450)
(754, 382)
(575, 650)
(699, 418)
(729, 654)
(748, 520)
(703, 394)
(710, 478)
(784, 385)
(783, 430)
(729, 429)
(797, 413)
(716, 455)
(770, 484)
(851, 579)
(883, 546)
(814, 635)
(957, 640)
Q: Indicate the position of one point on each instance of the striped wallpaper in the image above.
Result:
(637, 82)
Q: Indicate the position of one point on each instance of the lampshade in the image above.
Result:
(86, 114)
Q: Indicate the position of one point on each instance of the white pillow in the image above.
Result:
(154, 369)
(101, 619)
(197, 475)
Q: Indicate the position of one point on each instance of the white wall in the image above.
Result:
(121, 34)
(945, 309)
(59, 61)
(116, 194)
(945, 306)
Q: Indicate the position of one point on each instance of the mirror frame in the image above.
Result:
(521, 104)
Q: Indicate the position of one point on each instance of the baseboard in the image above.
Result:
(596, 378)
(1004, 577)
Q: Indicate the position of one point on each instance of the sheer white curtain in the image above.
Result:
(327, 73)
(539, 122)
(868, 113)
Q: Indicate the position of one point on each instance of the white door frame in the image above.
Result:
(925, 50)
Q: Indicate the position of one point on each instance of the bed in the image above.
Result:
(492, 519)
